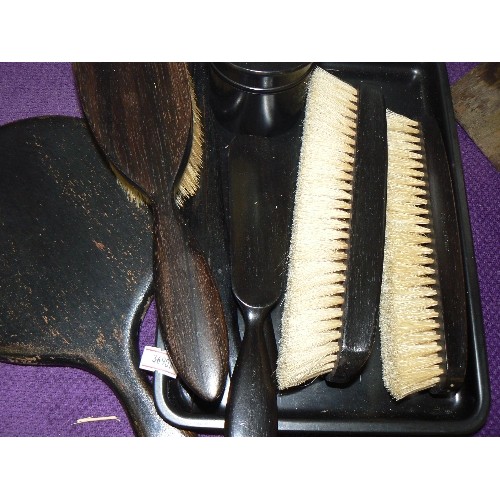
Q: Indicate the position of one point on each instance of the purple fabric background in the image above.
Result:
(40, 401)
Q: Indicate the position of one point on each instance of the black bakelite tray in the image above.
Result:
(364, 407)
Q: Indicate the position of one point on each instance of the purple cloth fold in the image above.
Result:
(42, 401)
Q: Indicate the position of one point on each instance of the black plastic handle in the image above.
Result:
(252, 409)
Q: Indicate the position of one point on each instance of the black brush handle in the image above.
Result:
(367, 236)
(252, 405)
(271, 345)
(260, 197)
(188, 302)
(449, 258)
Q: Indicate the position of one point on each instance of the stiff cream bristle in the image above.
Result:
(410, 324)
(133, 194)
(190, 179)
(312, 313)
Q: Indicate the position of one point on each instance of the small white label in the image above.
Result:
(155, 359)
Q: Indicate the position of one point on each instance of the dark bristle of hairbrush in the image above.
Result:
(367, 233)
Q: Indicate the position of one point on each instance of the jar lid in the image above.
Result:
(263, 76)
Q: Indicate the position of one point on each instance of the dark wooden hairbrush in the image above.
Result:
(142, 117)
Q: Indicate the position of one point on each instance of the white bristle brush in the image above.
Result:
(422, 317)
(343, 150)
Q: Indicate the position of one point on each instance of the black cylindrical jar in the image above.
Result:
(258, 98)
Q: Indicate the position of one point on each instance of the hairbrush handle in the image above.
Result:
(189, 309)
(252, 405)
(259, 206)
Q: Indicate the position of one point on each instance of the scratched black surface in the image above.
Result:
(76, 266)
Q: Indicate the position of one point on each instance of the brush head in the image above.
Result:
(189, 182)
(423, 323)
(312, 313)
(410, 320)
(179, 166)
(336, 253)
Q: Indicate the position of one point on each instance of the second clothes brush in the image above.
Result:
(423, 321)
